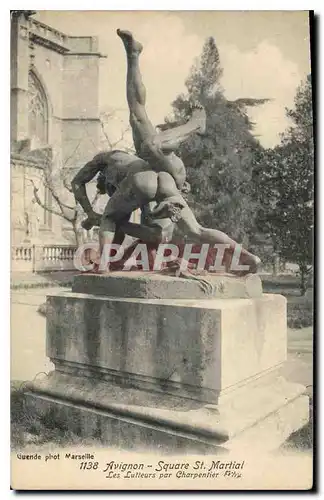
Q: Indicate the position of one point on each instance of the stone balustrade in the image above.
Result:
(44, 31)
(33, 258)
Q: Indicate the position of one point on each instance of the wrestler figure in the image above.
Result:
(156, 174)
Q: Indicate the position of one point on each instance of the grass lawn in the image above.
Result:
(32, 432)
(299, 309)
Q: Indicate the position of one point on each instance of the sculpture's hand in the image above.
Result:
(168, 209)
(93, 219)
(186, 188)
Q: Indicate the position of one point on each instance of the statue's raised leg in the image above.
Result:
(147, 142)
(142, 128)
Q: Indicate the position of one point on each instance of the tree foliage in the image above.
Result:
(285, 181)
(219, 164)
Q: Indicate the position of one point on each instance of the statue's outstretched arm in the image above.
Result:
(169, 125)
(171, 138)
(78, 184)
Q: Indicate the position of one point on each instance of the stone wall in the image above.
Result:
(27, 218)
(65, 72)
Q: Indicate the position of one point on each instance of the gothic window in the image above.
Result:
(37, 111)
(38, 129)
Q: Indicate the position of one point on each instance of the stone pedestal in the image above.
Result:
(193, 373)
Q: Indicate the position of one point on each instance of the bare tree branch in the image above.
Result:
(48, 182)
(105, 134)
(45, 207)
(65, 184)
(90, 137)
(95, 198)
(52, 178)
(72, 154)
(104, 117)
(122, 137)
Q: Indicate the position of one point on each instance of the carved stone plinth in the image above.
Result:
(173, 372)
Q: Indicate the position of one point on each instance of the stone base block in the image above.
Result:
(198, 349)
(262, 415)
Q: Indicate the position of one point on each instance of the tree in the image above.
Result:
(267, 194)
(302, 117)
(203, 81)
(285, 179)
(219, 165)
(56, 186)
(111, 125)
(61, 201)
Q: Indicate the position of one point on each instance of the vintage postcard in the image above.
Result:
(162, 222)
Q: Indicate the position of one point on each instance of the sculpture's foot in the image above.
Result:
(97, 270)
(254, 265)
(132, 46)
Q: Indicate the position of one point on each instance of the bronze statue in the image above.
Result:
(154, 176)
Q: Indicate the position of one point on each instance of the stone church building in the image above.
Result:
(55, 126)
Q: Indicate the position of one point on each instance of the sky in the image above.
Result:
(263, 54)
